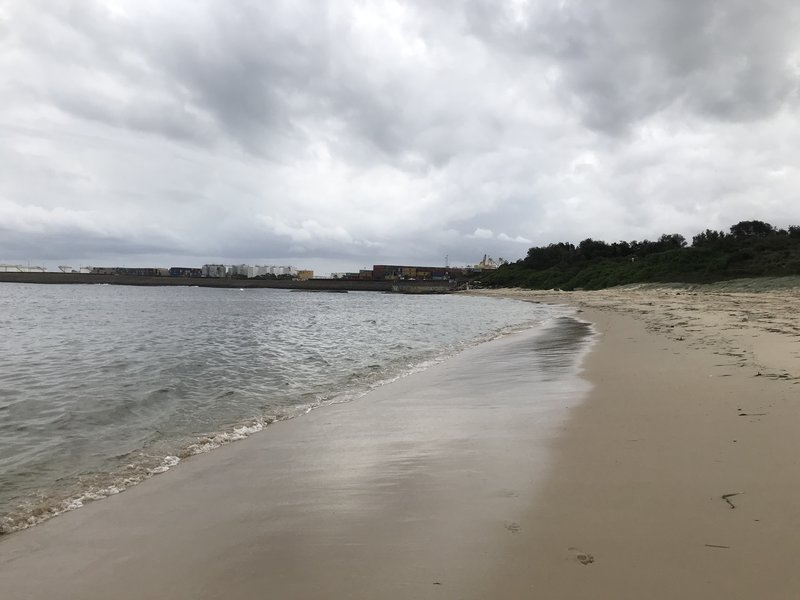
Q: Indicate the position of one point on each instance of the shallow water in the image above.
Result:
(103, 386)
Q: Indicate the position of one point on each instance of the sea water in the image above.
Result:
(104, 386)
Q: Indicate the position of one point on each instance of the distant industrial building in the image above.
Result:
(488, 263)
(131, 271)
(238, 270)
(213, 271)
(245, 271)
(185, 272)
(402, 272)
(68, 269)
(277, 271)
(144, 271)
(21, 269)
(257, 271)
(249, 271)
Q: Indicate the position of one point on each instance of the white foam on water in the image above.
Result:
(166, 465)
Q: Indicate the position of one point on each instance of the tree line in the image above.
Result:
(747, 249)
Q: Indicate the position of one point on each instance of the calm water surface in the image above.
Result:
(103, 386)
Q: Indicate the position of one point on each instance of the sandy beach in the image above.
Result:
(679, 476)
(665, 468)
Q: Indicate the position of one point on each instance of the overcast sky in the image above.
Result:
(338, 135)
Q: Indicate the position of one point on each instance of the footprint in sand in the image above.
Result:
(513, 527)
(582, 557)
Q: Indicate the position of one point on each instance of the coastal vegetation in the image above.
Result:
(748, 249)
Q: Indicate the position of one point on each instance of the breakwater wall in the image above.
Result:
(408, 287)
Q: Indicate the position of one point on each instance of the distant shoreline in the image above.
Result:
(288, 284)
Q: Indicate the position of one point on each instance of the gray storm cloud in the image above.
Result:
(349, 133)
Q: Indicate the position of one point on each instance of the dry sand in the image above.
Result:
(677, 478)
(694, 412)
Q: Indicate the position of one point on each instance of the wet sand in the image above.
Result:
(676, 478)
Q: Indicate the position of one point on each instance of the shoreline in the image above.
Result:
(395, 495)
(125, 476)
(676, 477)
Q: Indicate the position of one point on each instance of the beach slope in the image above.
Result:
(679, 478)
(667, 470)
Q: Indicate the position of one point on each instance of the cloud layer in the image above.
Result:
(375, 131)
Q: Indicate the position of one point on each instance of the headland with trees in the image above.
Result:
(748, 249)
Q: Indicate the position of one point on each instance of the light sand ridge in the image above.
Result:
(758, 331)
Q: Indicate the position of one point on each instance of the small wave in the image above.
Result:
(240, 432)
(169, 462)
(43, 508)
